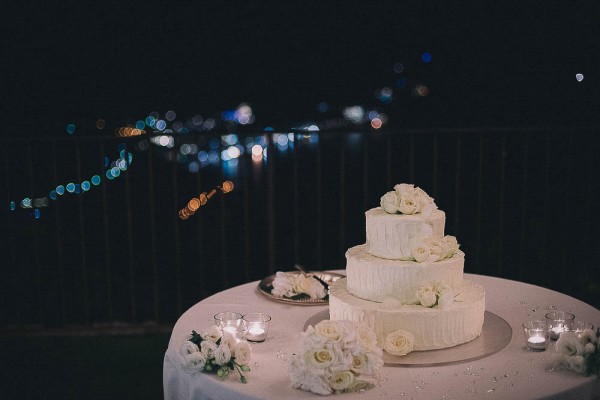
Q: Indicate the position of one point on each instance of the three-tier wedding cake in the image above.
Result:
(408, 277)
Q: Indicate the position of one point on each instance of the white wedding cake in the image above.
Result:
(406, 281)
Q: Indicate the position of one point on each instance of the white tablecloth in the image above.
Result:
(512, 373)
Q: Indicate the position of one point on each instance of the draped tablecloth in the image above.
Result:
(512, 373)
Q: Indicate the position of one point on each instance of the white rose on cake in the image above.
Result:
(409, 205)
(426, 296)
(437, 251)
(450, 245)
(405, 190)
(408, 200)
(431, 249)
(445, 295)
(390, 203)
(399, 343)
(421, 252)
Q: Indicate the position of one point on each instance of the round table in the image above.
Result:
(512, 373)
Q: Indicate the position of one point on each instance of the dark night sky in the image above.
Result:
(493, 64)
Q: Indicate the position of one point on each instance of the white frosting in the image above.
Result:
(432, 328)
(392, 235)
(373, 278)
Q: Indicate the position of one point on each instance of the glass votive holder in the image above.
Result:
(258, 326)
(231, 322)
(558, 322)
(579, 326)
(536, 335)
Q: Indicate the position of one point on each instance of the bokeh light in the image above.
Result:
(426, 57)
(579, 77)
(70, 128)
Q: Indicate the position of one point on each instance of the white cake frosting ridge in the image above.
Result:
(432, 328)
(392, 236)
(375, 279)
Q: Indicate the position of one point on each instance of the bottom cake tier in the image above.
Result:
(433, 328)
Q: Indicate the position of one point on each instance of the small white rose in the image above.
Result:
(321, 358)
(208, 348)
(420, 252)
(329, 329)
(450, 245)
(399, 343)
(390, 203)
(437, 252)
(446, 299)
(568, 344)
(229, 341)
(405, 190)
(212, 333)
(195, 362)
(243, 352)
(408, 205)
(425, 201)
(222, 355)
(587, 336)
(589, 348)
(366, 363)
(426, 296)
(341, 380)
(188, 347)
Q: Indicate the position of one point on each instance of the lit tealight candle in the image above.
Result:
(556, 331)
(536, 343)
(536, 335)
(256, 332)
(258, 326)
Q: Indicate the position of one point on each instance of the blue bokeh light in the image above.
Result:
(426, 57)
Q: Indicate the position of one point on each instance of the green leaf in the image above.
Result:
(245, 368)
(196, 338)
(243, 379)
(300, 296)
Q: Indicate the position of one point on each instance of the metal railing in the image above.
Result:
(520, 201)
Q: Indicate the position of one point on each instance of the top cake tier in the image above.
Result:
(392, 236)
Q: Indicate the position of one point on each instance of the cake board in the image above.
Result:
(496, 334)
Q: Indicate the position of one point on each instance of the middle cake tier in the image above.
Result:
(376, 279)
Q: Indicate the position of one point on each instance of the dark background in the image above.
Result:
(507, 64)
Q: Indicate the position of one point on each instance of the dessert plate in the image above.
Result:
(266, 285)
(495, 335)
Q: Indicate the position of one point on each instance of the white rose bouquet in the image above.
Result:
(298, 286)
(217, 352)
(579, 352)
(407, 199)
(336, 357)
